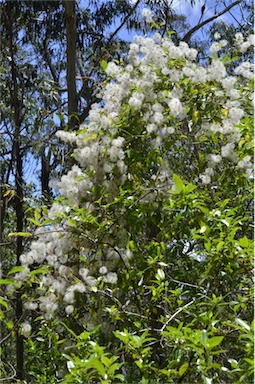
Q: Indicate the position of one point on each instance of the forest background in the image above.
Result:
(179, 299)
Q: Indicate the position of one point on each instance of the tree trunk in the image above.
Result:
(71, 64)
(45, 175)
(19, 250)
(18, 163)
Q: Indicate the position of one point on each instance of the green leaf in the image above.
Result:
(211, 343)
(139, 363)
(16, 269)
(178, 183)
(203, 229)
(10, 324)
(243, 324)
(233, 363)
(183, 369)
(204, 336)
(106, 361)
(9, 281)
(103, 64)
(225, 222)
(114, 368)
(250, 361)
(22, 234)
(190, 188)
(220, 245)
(3, 303)
(36, 222)
(93, 136)
(122, 336)
(244, 242)
(40, 270)
(37, 214)
(99, 367)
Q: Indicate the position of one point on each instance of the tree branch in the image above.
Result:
(48, 61)
(188, 35)
(175, 314)
(124, 21)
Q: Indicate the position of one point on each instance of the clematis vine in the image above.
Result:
(162, 113)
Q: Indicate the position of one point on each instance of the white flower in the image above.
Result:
(209, 171)
(157, 37)
(23, 275)
(234, 94)
(148, 15)
(66, 136)
(151, 128)
(214, 159)
(112, 69)
(111, 278)
(245, 69)
(239, 37)
(223, 43)
(118, 142)
(176, 107)
(128, 254)
(69, 309)
(167, 131)
(158, 118)
(65, 271)
(235, 114)
(245, 162)
(26, 329)
(215, 48)
(135, 102)
(31, 305)
(205, 179)
(227, 150)
(69, 296)
(48, 304)
(216, 71)
(245, 46)
(251, 39)
(79, 287)
(228, 82)
(191, 54)
(103, 270)
(217, 36)
(89, 280)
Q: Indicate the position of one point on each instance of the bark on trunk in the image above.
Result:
(71, 64)
(18, 162)
(45, 176)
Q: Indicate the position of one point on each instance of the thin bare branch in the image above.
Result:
(188, 35)
(175, 314)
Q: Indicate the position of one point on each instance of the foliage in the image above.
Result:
(141, 270)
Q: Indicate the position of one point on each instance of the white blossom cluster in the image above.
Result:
(151, 86)
(243, 44)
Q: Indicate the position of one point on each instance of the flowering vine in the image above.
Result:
(161, 114)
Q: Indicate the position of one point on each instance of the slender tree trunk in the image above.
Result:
(18, 161)
(19, 249)
(45, 175)
(71, 63)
